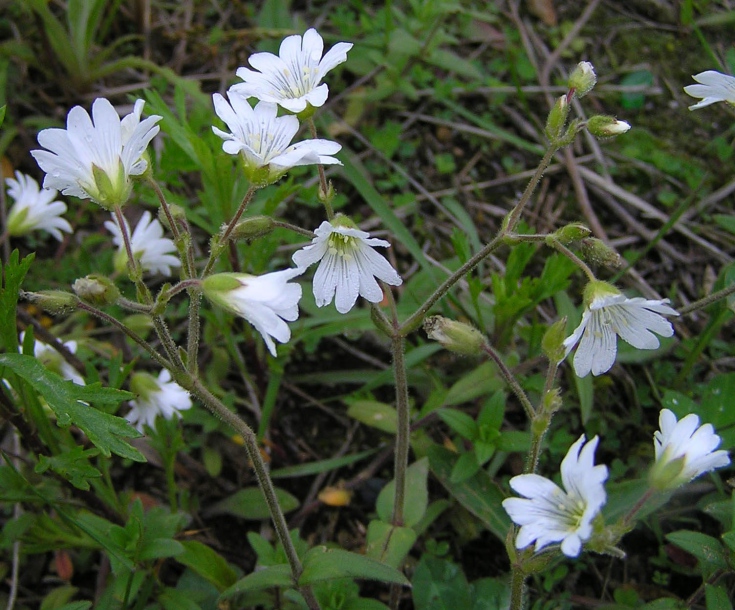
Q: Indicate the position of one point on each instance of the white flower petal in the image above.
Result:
(34, 209)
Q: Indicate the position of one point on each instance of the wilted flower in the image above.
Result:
(95, 160)
(684, 450)
(291, 78)
(264, 139)
(607, 314)
(155, 397)
(548, 514)
(266, 301)
(714, 87)
(148, 244)
(34, 208)
(348, 264)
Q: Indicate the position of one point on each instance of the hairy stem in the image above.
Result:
(322, 176)
(510, 380)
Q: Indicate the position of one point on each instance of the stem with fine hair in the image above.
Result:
(510, 380)
(215, 406)
(708, 300)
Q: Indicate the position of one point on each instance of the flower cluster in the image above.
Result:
(548, 514)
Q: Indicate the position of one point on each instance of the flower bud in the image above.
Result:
(454, 336)
(252, 228)
(96, 290)
(571, 233)
(557, 118)
(582, 79)
(602, 126)
(599, 253)
(552, 342)
(177, 213)
(53, 301)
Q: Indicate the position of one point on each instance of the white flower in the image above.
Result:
(609, 313)
(149, 245)
(155, 397)
(264, 139)
(348, 265)
(264, 300)
(714, 87)
(292, 77)
(548, 514)
(684, 450)
(34, 208)
(54, 361)
(94, 158)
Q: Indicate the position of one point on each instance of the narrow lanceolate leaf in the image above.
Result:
(322, 564)
(478, 494)
(70, 404)
(270, 576)
(13, 273)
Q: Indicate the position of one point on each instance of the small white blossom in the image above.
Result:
(54, 361)
(684, 450)
(348, 265)
(155, 397)
(291, 78)
(34, 208)
(149, 245)
(264, 139)
(714, 87)
(608, 314)
(548, 514)
(266, 301)
(94, 158)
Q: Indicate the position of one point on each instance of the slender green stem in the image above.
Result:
(133, 305)
(627, 520)
(97, 313)
(414, 321)
(561, 248)
(221, 244)
(510, 380)
(218, 409)
(165, 207)
(515, 214)
(322, 176)
(294, 228)
(517, 588)
(708, 300)
(180, 287)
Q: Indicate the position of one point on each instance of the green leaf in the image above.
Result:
(73, 465)
(634, 101)
(301, 470)
(13, 271)
(466, 466)
(67, 399)
(482, 380)
(374, 414)
(173, 599)
(440, 585)
(460, 422)
(388, 543)
(2, 114)
(207, 563)
(249, 503)
(416, 499)
(478, 494)
(270, 576)
(707, 549)
(322, 564)
(717, 597)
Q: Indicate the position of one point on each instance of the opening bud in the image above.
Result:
(454, 336)
(582, 79)
(252, 228)
(557, 119)
(602, 126)
(96, 290)
(53, 301)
